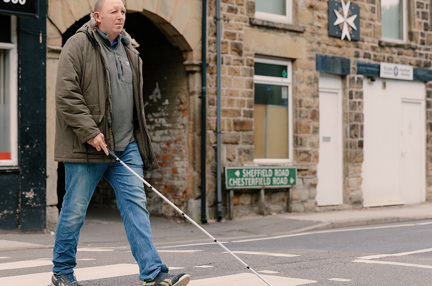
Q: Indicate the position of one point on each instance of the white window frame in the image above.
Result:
(277, 18)
(284, 82)
(404, 25)
(13, 83)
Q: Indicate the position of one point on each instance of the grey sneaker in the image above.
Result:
(65, 280)
(165, 279)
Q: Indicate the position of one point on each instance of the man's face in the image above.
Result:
(111, 18)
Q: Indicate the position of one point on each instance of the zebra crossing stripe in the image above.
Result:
(12, 245)
(25, 264)
(178, 251)
(83, 274)
(266, 254)
(248, 279)
(118, 270)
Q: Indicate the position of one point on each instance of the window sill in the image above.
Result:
(11, 169)
(273, 162)
(276, 25)
(390, 44)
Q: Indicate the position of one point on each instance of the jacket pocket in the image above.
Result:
(79, 147)
(97, 119)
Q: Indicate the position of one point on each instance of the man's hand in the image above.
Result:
(98, 142)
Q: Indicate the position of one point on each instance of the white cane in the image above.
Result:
(186, 216)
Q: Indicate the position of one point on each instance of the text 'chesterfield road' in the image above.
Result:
(259, 177)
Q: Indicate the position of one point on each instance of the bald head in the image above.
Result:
(98, 5)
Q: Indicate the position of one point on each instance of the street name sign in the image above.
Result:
(259, 177)
(20, 7)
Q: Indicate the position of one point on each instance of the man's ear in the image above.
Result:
(97, 16)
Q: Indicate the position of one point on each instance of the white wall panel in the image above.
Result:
(382, 166)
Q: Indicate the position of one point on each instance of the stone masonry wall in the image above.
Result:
(237, 96)
(370, 48)
(353, 140)
(429, 141)
(415, 52)
(310, 25)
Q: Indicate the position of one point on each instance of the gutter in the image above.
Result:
(218, 120)
(204, 114)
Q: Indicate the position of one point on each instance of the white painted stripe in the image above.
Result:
(178, 251)
(424, 223)
(393, 263)
(25, 264)
(95, 249)
(11, 244)
(202, 266)
(246, 279)
(340, 280)
(274, 237)
(264, 253)
(378, 256)
(189, 245)
(175, 268)
(4, 257)
(268, 272)
(38, 279)
(87, 259)
(83, 274)
(331, 231)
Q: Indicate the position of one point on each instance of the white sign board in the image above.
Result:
(395, 71)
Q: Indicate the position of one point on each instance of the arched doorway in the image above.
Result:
(167, 104)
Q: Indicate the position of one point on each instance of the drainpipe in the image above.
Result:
(204, 115)
(218, 121)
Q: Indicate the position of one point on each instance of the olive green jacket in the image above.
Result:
(84, 99)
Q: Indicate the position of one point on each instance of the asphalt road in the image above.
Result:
(390, 254)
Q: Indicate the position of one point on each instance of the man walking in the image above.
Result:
(100, 105)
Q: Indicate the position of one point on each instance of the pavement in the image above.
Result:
(105, 226)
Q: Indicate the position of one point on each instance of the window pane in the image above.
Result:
(260, 122)
(277, 132)
(271, 70)
(5, 29)
(392, 19)
(277, 7)
(5, 148)
(271, 94)
(271, 121)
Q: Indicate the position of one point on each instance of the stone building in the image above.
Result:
(338, 90)
(353, 77)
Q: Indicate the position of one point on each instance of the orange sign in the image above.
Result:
(5, 156)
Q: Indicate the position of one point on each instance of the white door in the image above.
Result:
(388, 105)
(381, 167)
(330, 174)
(412, 179)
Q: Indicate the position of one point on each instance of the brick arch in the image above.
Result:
(179, 20)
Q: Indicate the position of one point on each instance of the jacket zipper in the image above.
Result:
(109, 92)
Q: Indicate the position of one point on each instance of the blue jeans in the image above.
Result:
(81, 181)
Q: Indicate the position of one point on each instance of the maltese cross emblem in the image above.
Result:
(344, 20)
